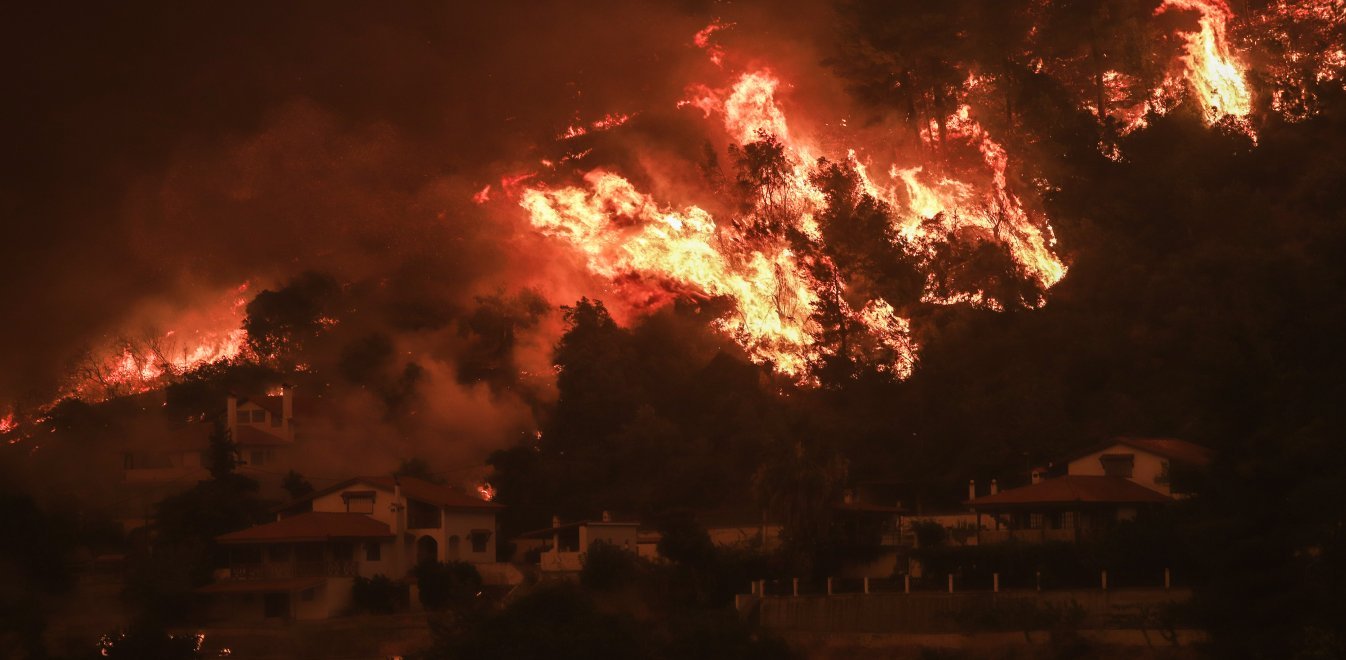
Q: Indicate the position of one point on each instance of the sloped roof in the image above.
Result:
(311, 526)
(251, 436)
(413, 488)
(1173, 449)
(288, 585)
(1073, 489)
(1179, 451)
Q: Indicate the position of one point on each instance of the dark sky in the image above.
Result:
(159, 150)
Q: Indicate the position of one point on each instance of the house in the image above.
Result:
(746, 527)
(870, 536)
(262, 428)
(300, 567)
(1103, 485)
(563, 545)
(436, 522)
(303, 565)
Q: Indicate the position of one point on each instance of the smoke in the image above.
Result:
(227, 153)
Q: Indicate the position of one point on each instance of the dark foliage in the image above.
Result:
(454, 585)
(377, 595)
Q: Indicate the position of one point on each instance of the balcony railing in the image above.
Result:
(989, 536)
(273, 571)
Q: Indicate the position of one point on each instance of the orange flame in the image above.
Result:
(624, 233)
(1217, 77)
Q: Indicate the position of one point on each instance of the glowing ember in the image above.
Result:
(486, 491)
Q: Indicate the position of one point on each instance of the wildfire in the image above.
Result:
(1217, 77)
(132, 365)
(775, 286)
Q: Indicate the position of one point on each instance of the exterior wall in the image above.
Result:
(383, 511)
(1150, 471)
(328, 600)
(620, 535)
(460, 524)
(940, 612)
(745, 535)
(173, 466)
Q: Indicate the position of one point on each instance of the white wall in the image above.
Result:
(1149, 471)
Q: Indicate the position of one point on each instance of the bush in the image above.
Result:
(454, 585)
(377, 595)
(607, 566)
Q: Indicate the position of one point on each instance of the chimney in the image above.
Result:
(607, 516)
(287, 410)
(995, 488)
(1036, 476)
(555, 521)
(971, 489)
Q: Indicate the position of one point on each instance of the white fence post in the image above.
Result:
(866, 585)
(1105, 579)
(951, 583)
(1168, 579)
(796, 586)
(829, 586)
(995, 582)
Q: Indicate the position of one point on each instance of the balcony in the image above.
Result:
(294, 569)
(992, 536)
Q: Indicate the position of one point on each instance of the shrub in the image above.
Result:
(377, 595)
(607, 566)
(454, 585)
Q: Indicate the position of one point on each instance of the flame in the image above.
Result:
(199, 336)
(625, 234)
(486, 491)
(1217, 77)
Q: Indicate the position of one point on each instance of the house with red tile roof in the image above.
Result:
(303, 564)
(1102, 485)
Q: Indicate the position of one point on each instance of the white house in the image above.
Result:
(1102, 485)
(563, 545)
(302, 566)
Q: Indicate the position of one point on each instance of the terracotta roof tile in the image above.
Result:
(1074, 489)
(311, 526)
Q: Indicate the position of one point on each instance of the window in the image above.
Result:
(1068, 520)
(258, 416)
(1118, 465)
(373, 551)
(359, 502)
(1163, 478)
(479, 538)
(1035, 521)
(257, 457)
